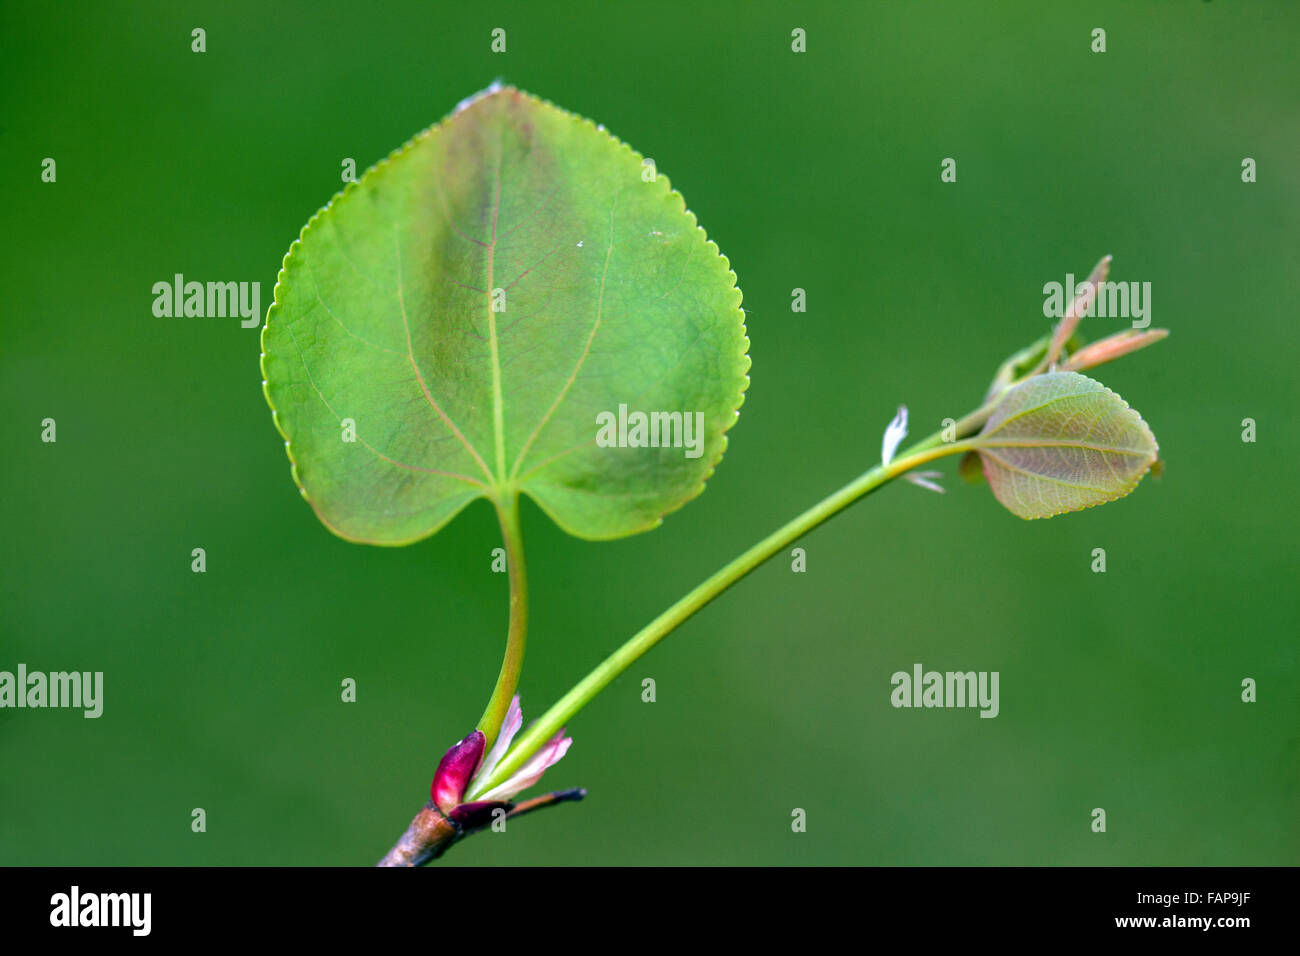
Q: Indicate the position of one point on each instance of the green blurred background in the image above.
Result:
(818, 171)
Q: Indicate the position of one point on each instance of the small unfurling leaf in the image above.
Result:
(1062, 442)
(971, 468)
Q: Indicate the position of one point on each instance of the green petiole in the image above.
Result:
(580, 695)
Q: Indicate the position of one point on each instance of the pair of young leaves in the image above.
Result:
(451, 326)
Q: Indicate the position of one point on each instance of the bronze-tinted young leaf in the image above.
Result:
(1062, 442)
(460, 322)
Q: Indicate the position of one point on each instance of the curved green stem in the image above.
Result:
(495, 714)
(560, 713)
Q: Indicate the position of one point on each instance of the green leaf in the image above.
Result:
(474, 303)
(1062, 442)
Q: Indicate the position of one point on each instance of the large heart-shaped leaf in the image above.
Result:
(1061, 442)
(481, 306)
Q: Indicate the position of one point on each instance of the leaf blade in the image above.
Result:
(1062, 442)
(473, 302)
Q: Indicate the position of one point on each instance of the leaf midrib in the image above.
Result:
(498, 404)
(1057, 443)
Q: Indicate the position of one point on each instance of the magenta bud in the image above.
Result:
(471, 816)
(455, 770)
